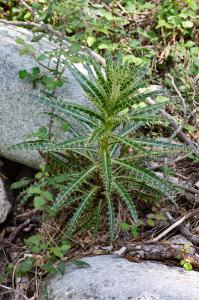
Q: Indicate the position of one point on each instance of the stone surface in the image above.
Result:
(197, 184)
(180, 242)
(111, 277)
(4, 203)
(19, 114)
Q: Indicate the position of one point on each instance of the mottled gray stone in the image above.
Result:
(19, 113)
(4, 203)
(111, 277)
(180, 242)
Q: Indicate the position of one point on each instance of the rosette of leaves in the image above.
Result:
(104, 161)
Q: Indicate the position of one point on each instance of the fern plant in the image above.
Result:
(98, 166)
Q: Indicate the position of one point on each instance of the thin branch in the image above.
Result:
(13, 291)
(49, 29)
(165, 232)
(176, 224)
(173, 123)
(193, 238)
(179, 94)
(185, 188)
(28, 7)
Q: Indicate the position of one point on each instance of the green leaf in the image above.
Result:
(147, 177)
(36, 71)
(47, 195)
(151, 109)
(150, 222)
(41, 57)
(187, 266)
(72, 186)
(59, 251)
(76, 111)
(46, 146)
(161, 144)
(124, 226)
(90, 40)
(62, 267)
(130, 58)
(20, 41)
(28, 50)
(24, 266)
(34, 189)
(50, 268)
(20, 184)
(107, 172)
(80, 263)
(134, 231)
(192, 3)
(23, 74)
(95, 96)
(38, 37)
(111, 216)
(127, 200)
(80, 210)
(129, 143)
(97, 221)
(39, 202)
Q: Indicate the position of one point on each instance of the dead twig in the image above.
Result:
(173, 123)
(13, 291)
(25, 4)
(14, 234)
(185, 188)
(28, 214)
(184, 230)
(176, 224)
(180, 95)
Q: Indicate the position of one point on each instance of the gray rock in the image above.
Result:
(197, 184)
(111, 277)
(19, 114)
(180, 242)
(4, 203)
